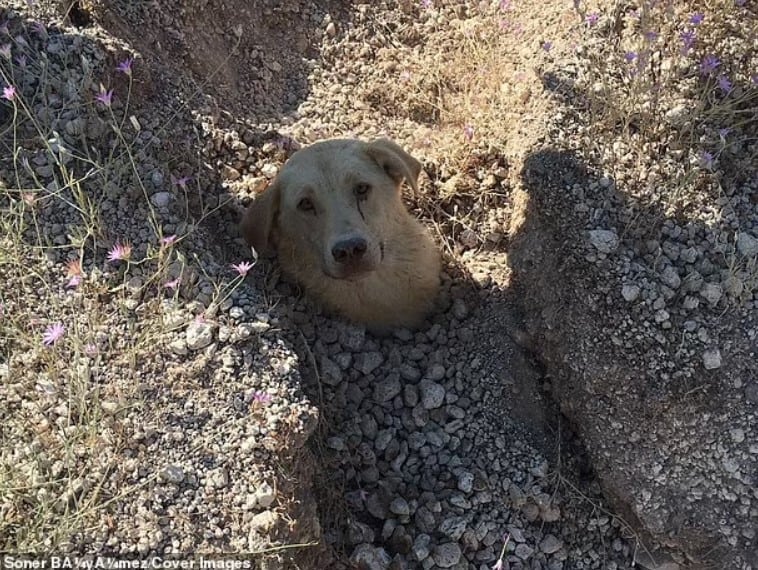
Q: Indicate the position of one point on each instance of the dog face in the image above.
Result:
(332, 206)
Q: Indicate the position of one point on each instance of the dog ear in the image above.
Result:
(259, 219)
(397, 163)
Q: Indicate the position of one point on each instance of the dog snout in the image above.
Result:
(349, 250)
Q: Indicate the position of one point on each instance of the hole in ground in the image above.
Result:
(79, 16)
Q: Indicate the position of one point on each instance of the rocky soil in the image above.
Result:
(584, 396)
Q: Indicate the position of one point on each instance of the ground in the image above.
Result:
(584, 395)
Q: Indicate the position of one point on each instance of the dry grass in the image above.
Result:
(62, 432)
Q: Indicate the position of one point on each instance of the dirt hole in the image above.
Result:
(79, 16)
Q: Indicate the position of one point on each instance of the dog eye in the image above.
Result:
(362, 189)
(305, 205)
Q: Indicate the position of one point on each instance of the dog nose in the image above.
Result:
(349, 250)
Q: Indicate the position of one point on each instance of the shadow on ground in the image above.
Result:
(619, 378)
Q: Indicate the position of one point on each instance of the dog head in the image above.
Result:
(333, 206)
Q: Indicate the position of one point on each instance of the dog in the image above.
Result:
(334, 215)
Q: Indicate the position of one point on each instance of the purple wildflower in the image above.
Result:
(4, 29)
(547, 46)
(5, 51)
(630, 56)
(242, 267)
(261, 397)
(504, 5)
(697, 18)
(739, 2)
(125, 66)
(173, 284)
(168, 241)
(105, 97)
(709, 64)
(724, 132)
(53, 334)
(9, 92)
(120, 252)
(426, 4)
(73, 267)
(592, 18)
(651, 36)
(21, 61)
(468, 132)
(74, 273)
(724, 84)
(39, 29)
(181, 182)
(90, 349)
(706, 159)
(688, 41)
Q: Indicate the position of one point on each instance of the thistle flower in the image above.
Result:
(120, 251)
(9, 92)
(105, 97)
(709, 64)
(724, 84)
(74, 273)
(39, 28)
(688, 41)
(243, 267)
(181, 182)
(706, 159)
(73, 267)
(262, 397)
(125, 66)
(53, 334)
(168, 241)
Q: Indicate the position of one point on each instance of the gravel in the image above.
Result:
(432, 444)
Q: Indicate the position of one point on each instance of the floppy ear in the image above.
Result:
(259, 220)
(397, 163)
